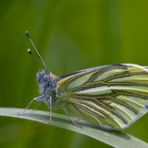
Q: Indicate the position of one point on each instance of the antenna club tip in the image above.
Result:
(29, 51)
(27, 34)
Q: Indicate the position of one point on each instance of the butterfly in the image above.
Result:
(109, 97)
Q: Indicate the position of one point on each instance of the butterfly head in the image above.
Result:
(46, 82)
(46, 86)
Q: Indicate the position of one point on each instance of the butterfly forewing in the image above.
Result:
(111, 96)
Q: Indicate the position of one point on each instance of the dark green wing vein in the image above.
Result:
(131, 105)
(96, 115)
(113, 96)
(99, 84)
(85, 113)
(106, 69)
(79, 78)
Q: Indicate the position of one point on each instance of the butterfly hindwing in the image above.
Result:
(111, 96)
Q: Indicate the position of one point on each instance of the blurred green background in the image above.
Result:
(71, 35)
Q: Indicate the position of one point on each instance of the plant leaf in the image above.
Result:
(114, 138)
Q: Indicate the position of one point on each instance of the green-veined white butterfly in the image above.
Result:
(110, 96)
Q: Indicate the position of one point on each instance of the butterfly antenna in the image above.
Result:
(37, 52)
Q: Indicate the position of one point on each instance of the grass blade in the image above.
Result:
(115, 139)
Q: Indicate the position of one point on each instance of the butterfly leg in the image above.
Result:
(50, 108)
(69, 117)
(40, 99)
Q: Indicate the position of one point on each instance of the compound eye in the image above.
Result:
(49, 84)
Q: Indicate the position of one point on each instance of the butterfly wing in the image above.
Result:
(111, 96)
